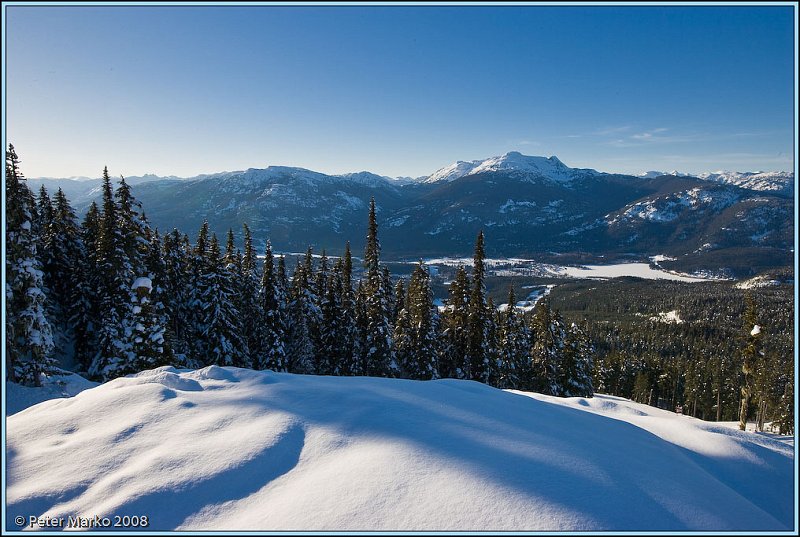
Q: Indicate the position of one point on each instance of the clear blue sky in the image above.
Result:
(398, 90)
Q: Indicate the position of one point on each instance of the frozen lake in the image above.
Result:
(639, 270)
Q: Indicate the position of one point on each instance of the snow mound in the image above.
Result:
(254, 450)
(60, 385)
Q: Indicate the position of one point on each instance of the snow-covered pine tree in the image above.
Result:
(221, 341)
(577, 364)
(404, 343)
(547, 340)
(149, 323)
(250, 307)
(122, 247)
(176, 285)
(233, 262)
(112, 288)
(300, 347)
(513, 345)
(270, 350)
(86, 313)
(399, 299)
(145, 330)
(62, 273)
(453, 352)
(751, 357)
(785, 413)
(358, 365)
(42, 229)
(347, 360)
(29, 338)
(198, 267)
(322, 363)
(478, 359)
(378, 345)
(423, 317)
(331, 351)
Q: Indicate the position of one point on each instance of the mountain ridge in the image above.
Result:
(526, 206)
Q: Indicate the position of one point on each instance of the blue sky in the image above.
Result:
(398, 90)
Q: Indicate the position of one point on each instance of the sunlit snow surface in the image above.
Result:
(235, 449)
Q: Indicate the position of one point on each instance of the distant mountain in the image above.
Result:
(526, 205)
(782, 182)
(512, 163)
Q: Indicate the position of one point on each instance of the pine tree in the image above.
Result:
(785, 415)
(453, 354)
(270, 352)
(176, 252)
(350, 357)
(577, 364)
(513, 345)
(86, 308)
(29, 338)
(250, 305)
(198, 268)
(378, 345)
(300, 347)
(331, 351)
(423, 320)
(751, 356)
(42, 229)
(547, 334)
(62, 272)
(221, 333)
(478, 359)
(122, 247)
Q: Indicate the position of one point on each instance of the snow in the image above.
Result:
(62, 384)
(639, 270)
(513, 161)
(234, 449)
(670, 317)
(757, 282)
(762, 181)
(142, 282)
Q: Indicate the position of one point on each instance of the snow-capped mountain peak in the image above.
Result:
(514, 162)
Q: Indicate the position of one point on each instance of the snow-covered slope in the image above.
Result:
(234, 449)
(762, 181)
(512, 162)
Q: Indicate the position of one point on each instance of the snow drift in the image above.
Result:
(234, 449)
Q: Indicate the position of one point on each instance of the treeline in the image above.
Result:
(120, 298)
(699, 363)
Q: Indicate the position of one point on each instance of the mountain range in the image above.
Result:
(739, 222)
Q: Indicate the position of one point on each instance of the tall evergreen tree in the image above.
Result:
(270, 350)
(221, 333)
(547, 335)
(29, 338)
(300, 345)
(86, 313)
(62, 272)
(453, 354)
(177, 286)
(577, 364)
(513, 345)
(378, 345)
(423, 317)
(751, 357)
(478, 359)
